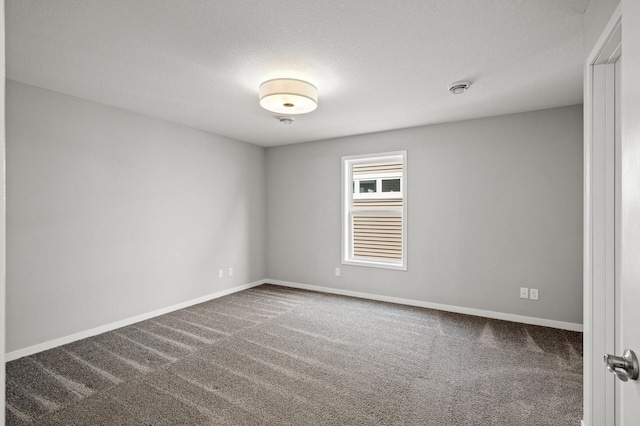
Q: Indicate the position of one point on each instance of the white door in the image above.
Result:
(627, 335)
(624, 205)
(612, 219)
(628, 304)
(612, 222)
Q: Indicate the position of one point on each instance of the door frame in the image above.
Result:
(600, 223)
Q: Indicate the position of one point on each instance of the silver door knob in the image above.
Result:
(624, 367)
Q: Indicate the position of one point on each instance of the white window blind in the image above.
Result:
(377, 235)
(377, 168)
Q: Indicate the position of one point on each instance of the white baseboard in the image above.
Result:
(10, 356)
(449, 308)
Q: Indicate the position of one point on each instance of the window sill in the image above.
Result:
(375, 264)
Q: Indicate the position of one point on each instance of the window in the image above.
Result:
(374, 210)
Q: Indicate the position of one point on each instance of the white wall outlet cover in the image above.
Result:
(524, 293)
(533, 294)
(337, 272)
(220, 273)
(230, 271)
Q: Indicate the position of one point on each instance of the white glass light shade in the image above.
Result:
(288, 96)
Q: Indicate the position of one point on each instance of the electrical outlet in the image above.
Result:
(230, 272)
(337, 272)
(220, 273)
(533, 294)
(524, 293)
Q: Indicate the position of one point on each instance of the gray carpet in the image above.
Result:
(277, 356)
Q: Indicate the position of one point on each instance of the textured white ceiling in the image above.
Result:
(378, 64)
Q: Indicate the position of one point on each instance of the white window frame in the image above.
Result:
(348, 196)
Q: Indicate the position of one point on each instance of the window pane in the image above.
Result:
(367, 186)
(390, 185)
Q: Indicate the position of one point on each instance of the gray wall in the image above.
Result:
(493, 205)
(111, 214)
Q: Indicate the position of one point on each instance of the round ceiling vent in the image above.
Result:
(459, 87)
(286, 120)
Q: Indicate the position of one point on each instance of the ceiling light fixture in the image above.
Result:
(288, 96)
(459, 87)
